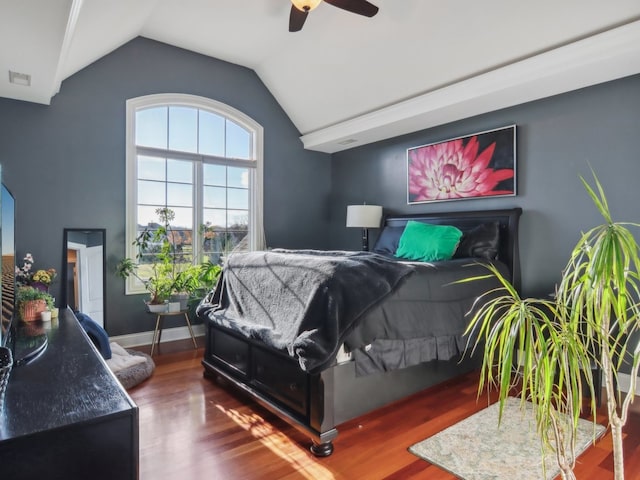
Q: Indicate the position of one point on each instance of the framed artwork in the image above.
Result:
(475, 166)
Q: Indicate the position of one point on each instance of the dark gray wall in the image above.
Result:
(65, 163)
(557, 139)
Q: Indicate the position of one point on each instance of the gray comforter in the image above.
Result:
(424, 319)
(305, 301)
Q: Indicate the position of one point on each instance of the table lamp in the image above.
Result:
(365, 217)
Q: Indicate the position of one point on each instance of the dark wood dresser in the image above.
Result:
(65, 414)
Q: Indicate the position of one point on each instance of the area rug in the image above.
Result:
(477, 449)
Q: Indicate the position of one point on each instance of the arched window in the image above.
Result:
(203, 160)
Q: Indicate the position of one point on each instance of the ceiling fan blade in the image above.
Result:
(296, 19)
(361, 7)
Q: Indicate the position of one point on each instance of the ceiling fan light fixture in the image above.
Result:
(305, 5)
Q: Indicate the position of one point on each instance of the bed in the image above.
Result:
(309, 381)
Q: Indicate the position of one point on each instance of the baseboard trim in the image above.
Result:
(182, 333)
(624, 383)
(168, 335)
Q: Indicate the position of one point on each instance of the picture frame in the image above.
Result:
(480, 165)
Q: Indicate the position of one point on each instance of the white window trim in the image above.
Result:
(256, 222)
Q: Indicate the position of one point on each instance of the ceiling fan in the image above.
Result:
(301, 8)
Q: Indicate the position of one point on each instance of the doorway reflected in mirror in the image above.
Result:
(84, 272)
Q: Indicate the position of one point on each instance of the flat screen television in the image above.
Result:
(25, 343)
(8, 249)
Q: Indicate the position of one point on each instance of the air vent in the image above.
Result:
(348, 141)
(18, 78)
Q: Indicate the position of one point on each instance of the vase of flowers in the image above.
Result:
(40, 279)
(32, 296)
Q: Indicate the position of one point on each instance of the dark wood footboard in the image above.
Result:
(315, 404)
(275, 381)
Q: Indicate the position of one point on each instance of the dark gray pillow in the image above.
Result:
(387, 242)
(480, 242)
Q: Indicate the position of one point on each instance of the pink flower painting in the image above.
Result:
(481, 165)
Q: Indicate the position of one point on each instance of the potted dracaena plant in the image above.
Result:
(196, 281)
(593, 320)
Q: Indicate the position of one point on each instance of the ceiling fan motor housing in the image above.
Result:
(305, 5)
(301, 8)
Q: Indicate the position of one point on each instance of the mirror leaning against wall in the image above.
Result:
(83, 275)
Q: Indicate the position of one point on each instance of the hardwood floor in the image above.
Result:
(192, 428)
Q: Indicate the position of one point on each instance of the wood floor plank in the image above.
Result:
(191, 427)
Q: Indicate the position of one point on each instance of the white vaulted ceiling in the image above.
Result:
(345, 80)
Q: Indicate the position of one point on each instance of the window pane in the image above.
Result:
(179, 171)
(238, 198)
(183, 129)
(214, 257)
(146, 216)
(217, 218)
(197, 191)
(214, 197)
(179, 195)
(147, 257)
(211, 134)
(151, 127)
(151, 193)
(238, 219)
(238, 141)
(213, 244)
(210, 238)
(238, 177)
(151, 168)
(183, 241)
(214, 174)
(184, 258)
(235, 241)
(183, 219)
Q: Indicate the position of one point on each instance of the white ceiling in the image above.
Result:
(345, 80)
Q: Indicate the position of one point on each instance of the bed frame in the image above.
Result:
(316, 404)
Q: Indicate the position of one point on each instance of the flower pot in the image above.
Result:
(45, 316)
(156, 307)
(183, 298)
(30, 310)
(40, 286)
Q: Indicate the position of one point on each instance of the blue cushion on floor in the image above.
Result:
(96, 333)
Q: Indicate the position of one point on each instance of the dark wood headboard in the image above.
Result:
(508, 219)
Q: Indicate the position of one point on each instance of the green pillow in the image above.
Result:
(428, 243)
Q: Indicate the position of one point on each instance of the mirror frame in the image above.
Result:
(103, 231)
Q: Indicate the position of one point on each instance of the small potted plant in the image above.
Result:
(183, 286)
(195, 282)
(42, 279)
(31, 302)
(158, 286)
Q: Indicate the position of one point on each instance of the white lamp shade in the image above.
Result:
(364, 216)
